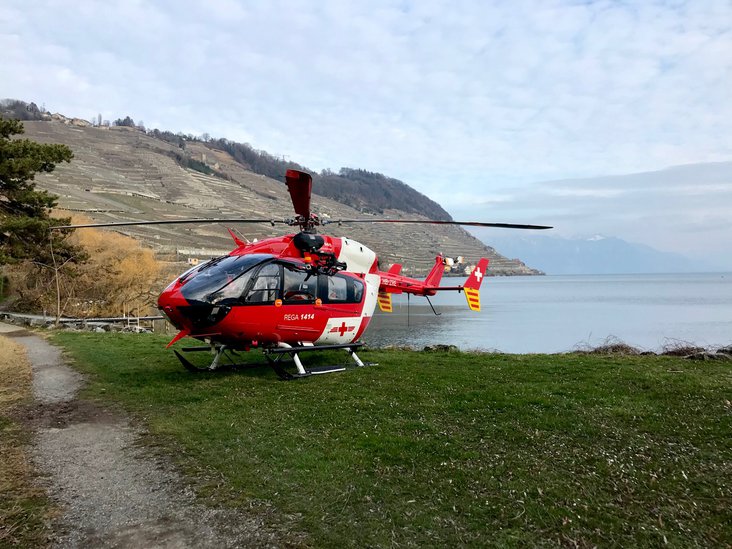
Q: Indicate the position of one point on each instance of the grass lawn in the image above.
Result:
(445, 449)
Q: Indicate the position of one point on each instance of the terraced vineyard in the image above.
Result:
(121, 173)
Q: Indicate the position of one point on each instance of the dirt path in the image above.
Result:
(113, 491)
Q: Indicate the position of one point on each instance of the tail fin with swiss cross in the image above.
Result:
(472, 285)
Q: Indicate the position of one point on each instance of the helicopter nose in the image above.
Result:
(171, 303)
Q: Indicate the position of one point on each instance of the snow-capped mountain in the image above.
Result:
(597, 254)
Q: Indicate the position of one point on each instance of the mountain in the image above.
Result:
(374, 192)
(683, 209)
(365, 191)
(593, 255)
(125, 173)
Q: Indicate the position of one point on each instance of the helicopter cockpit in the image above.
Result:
(261, 279)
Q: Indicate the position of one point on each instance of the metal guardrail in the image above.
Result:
(69, 320)
(113, 319)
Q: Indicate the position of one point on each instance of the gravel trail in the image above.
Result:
(113, 491)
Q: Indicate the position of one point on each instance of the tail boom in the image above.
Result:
(394, 283)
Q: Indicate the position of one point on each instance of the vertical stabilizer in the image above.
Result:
(433, 279)
(472, 285)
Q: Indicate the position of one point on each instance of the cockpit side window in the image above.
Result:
(337, 289)
(250, 280)
(233, 292)
(300, 286)
(204, 283)
(266, 285)
(340, 289)
(357, 291)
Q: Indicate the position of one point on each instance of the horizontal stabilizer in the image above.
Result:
(385, 302)
(473, 298)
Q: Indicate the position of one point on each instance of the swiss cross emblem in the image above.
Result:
(342, 329)
(478, 274)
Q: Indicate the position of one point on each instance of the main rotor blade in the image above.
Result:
(167, 222)
(300, 185)
(431, 222)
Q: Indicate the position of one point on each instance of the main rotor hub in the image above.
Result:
(306, 224)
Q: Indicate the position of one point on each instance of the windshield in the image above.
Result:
(217, 273)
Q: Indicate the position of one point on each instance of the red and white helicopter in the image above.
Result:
(295, 293)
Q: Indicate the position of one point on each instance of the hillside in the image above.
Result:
(366, 191)
(122, 173)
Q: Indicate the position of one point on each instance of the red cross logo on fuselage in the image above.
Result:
(342, 329)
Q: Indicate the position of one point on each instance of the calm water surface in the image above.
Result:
(552, 314)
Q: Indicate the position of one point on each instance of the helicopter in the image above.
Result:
(296, 293)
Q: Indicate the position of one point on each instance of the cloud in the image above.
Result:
(597, 192)
(458, 99)
(684, 209)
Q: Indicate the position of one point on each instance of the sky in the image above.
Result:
(499, 110)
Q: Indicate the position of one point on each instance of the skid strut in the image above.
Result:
(220, 352)
(224, 357)
(275, 354)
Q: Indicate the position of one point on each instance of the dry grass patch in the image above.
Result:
(23, 504)
(15, 374)
(677, 347)
(611, 346)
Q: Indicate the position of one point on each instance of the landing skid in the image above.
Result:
(275, 355)
(224, 357)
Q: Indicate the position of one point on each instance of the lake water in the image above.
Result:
(550, 314)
